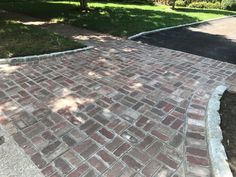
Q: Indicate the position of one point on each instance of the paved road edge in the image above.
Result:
(178, 26)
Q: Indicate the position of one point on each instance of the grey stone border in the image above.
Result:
(220, 166)
(178, 26)
(34, 58)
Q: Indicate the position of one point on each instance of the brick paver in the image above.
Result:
(121, 109)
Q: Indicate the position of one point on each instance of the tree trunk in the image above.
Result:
(83, 4)
(173, 4)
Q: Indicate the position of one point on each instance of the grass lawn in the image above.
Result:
(20, 40)
(115, 19)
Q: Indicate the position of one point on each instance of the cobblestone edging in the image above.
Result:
(35, 58)
(173, 27)
(220, 167)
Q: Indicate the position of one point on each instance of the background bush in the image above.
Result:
(228, 4)
(180, 3)
(205, 5)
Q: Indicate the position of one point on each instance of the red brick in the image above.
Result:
(124, 147)
(115, 171)
(38, 160)
(68, 140)
(147, 141)
(83, 145)
(151, 168)
(48, 170)
(136, 132)
(98, 164)
(197, 151)
(132, 163)
(98, 138)
(154, 149)
(142, 121)
(79, 171)
(106, 133)
(62, 165)
(168, 120)
(114, 144)
(177, 124)
(71, 157)
(142, 157)
(197, 160)
(167, 160)
(106, 157)
(160, 135)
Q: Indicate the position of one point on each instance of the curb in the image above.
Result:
(33, 58)
(220, 166)
(178, 26)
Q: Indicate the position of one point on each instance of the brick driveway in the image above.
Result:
(122, 109)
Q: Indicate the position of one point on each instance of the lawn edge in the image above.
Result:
(218, 157)
(35, 58)
(178, 26)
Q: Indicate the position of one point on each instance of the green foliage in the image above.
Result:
(228, 4)
(180, 3)
(205, 5)
(147, 2)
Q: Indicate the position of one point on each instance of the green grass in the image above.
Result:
(115, 19)
(21, 40)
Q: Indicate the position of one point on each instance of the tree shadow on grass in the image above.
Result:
(113, 20)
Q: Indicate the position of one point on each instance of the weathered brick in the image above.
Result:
(89, 151)
(68, 140)
(121, 150)
(62, 165)
(167, 160)
(147, 141)
(38, 160)
(48, 170)
(71, 157)
(177, 123)
(142, 157)
(98, 164)
(132, 163)
(197, 151)
(168, 120)
(160, 135)
(51, 147)
(109, 159)
(197, 160)
(151, 168)
(99, 139)
(116, 142)
(79, 171)
(61, 128)
(142, 121)
(34, 130)
(106, 133)
(155, 148)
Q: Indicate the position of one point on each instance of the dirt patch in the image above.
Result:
(228, 126)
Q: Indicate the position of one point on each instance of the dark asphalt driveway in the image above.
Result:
(215, 39)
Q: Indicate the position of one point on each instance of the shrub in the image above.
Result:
(180, 3)
(228, 4)
(205, 5)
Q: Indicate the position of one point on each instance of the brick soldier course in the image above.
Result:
(121, 109)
